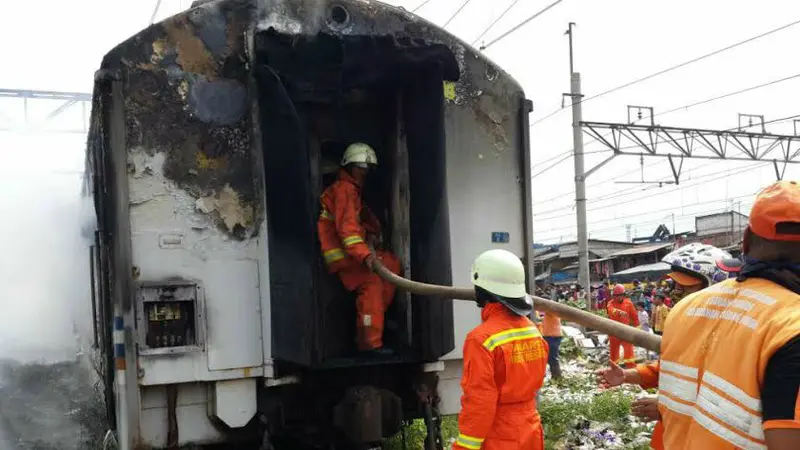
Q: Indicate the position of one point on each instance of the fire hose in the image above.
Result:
(626, 333)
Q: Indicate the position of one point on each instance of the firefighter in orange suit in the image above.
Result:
(620, 309)
(348, 234)
(730, 355)
(505, 359)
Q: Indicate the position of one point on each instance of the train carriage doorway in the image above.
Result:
(317, 94)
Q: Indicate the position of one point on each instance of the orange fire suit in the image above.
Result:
(343, 225)
(505, 359)
(622, 311)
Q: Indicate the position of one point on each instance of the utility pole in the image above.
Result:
(584, 278)
(673, 227)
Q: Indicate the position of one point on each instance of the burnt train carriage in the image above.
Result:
(213, 134)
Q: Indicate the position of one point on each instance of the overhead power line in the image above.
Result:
(566, 157)
(662, 218)
(569, 154)
(656, 212)
(730, 94)
(692, 61)
(494, 22)
(725, 174)
(155, 12)
(461, 8)
(520, 25)
(675, 67)
(418, 7)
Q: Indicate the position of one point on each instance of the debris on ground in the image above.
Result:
(50, 406)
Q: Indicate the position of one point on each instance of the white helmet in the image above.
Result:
(699, 261)
(502, 274)
(361, 154)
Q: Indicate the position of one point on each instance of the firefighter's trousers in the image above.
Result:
(373, 298)
(628, 360)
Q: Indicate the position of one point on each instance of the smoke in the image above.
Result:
(48, 393)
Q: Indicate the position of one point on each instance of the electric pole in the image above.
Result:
(584, 278)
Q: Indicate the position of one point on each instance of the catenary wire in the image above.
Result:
(455, 14)
(725, 174)
(486, 30)
(418, 7)
(655, 221)
(520, 25)
(675, 67)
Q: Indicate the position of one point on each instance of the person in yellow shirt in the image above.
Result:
(660, 312)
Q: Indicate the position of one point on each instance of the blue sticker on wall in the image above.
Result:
(500, 237)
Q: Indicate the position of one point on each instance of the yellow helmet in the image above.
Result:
(359, 153)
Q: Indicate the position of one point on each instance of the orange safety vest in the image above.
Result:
(343, 223)
(551, 325)
(505, 359)
(715, 349)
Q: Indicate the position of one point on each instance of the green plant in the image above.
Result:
(415, 435)
(568, 349)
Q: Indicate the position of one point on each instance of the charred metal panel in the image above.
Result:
(186, 97)
(196, 194)
(423, 114)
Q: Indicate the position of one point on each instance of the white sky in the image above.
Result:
(615, 41)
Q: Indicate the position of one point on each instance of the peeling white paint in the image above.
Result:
(227, 268)
(229, 207)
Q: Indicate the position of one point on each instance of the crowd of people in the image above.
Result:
(652, 301)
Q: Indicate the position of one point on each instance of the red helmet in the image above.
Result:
(619, 289)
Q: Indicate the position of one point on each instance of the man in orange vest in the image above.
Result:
(708, 265)
(505, 360)
(348, 234)
(730, 354)
(620, 309)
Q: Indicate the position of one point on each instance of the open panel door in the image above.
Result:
(290, 220)
(423, 114)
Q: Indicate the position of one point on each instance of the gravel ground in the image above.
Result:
(49, 406)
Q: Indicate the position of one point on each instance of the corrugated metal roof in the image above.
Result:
(641, 249)
(546, 257)
(659, 266)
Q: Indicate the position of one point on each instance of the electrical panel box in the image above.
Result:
(169, 317)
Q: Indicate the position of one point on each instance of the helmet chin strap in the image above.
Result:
(482, 298)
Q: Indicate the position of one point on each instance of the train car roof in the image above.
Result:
(216, 22)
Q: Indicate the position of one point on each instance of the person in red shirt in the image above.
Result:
(349, 234)
(620, 309)
(505, 359)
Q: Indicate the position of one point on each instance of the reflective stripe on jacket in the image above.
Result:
(343, 223)
(715, 349)
(505, 360)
